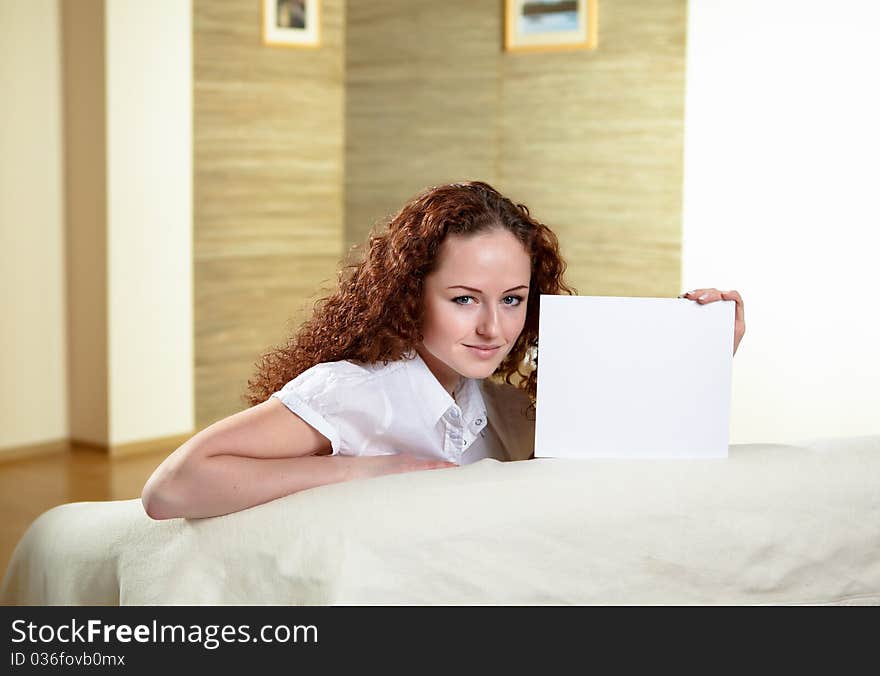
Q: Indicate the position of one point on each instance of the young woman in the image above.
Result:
(392, 372)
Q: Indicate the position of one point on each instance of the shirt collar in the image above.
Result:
(435, 400)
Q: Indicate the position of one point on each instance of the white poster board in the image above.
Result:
(633, 378)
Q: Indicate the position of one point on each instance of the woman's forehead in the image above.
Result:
(484, 261)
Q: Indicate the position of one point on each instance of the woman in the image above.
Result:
(391, 374)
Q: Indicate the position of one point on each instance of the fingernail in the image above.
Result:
(703, 297)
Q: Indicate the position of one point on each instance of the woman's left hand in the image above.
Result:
(703, 296)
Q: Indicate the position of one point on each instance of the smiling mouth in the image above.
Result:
(487, 348)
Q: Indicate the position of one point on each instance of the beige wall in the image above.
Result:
(98, 346)
(149, 217)
(33, 382)
(128, 103)
(591, 141)
(781, 203)
(268, 189)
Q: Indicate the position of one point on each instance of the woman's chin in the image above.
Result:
(478, 371)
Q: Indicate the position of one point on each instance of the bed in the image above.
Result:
(771, 524)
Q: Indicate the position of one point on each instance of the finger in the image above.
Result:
(740, 306)
(696, 294)
(708, 296)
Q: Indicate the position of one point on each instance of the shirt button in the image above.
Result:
(479, 421)
(453, 413)
(464, 442)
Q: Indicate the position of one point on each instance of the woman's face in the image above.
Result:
(475, 298)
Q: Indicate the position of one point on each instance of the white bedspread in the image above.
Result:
(770, 525)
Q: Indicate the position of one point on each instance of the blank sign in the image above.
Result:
(633, 378)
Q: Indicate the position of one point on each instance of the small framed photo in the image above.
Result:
(544, 25)
(292, 23)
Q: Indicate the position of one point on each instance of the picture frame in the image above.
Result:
(291, 23)
(548, 25)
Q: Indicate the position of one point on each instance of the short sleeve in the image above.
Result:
(317, 394)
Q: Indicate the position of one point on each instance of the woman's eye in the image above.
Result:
(510, 301)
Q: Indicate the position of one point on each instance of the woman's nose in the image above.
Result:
(488, 324)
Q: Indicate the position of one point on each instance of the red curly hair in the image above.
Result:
(376, 312)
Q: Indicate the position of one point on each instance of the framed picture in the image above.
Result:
(543, 25)
(292, 23)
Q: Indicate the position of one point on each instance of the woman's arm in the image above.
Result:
(254, 456)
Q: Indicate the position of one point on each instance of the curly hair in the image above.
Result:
(376, 312)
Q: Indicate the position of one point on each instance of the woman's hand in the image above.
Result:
(703, 296)
(369, 466)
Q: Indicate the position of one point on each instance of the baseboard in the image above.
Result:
(168, 444)
(34, 450)
(114, 451)
(134, 447)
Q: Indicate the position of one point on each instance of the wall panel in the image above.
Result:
(268, 142)
(590, 140)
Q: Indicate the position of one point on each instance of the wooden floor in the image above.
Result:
(29, 487)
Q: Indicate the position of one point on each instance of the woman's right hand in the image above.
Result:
(379, 465)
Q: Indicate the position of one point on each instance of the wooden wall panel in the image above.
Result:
(268, 144)
(422, 101)
(292, 144)
(592, 141)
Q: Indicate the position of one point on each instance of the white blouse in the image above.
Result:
(400, 407)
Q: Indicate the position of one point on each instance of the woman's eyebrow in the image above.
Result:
(470, 288)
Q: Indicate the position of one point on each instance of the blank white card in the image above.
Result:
(633, 378)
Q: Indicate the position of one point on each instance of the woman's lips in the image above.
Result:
(484, 353)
